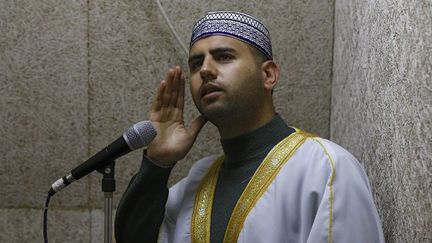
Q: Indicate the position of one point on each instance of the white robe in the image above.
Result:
(321, 194)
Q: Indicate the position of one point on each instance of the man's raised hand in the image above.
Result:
(173, 140)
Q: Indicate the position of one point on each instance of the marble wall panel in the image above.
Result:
(43, 110)
(74, 75)
(382, 106)
(26, 225)
(43, 99)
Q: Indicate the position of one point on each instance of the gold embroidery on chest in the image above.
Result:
(261, 180)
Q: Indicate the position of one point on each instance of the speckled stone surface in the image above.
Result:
(25, 225)
(382, 107)
(74, 75)
(44, 115)
(98, 225)
(43, 100)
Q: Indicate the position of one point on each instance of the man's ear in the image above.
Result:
(270, 72)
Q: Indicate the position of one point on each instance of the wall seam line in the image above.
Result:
(332, 71)
(88, 114)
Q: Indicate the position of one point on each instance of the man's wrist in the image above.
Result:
(156, 163)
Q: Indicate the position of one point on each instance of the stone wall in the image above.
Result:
(75, 74)
(382, 106)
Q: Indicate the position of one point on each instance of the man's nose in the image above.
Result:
(208, 70)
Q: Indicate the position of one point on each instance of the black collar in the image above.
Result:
(254, 144)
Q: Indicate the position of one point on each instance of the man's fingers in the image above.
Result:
(170, 93)
(175, 86)
(181, 93)
(166, 98)
(157, 102)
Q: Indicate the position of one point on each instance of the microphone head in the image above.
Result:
(139, 135)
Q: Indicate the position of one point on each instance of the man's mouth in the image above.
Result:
(208, 89)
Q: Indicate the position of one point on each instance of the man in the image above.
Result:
(274, 183)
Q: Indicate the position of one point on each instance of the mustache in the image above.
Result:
(210, 87)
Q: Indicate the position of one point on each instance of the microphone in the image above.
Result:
(137, 136)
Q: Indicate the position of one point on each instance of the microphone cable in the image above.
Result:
(45, 216)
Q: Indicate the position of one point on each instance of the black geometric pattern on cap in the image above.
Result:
(234, 24)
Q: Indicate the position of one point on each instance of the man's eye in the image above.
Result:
(194, 65)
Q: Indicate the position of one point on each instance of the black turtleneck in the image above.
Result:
(141, 209)
(243, 155)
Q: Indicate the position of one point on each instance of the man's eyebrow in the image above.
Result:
(214, 51)
(222, 49)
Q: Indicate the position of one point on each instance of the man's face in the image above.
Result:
(226, 81)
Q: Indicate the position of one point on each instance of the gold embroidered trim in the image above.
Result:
(260, 181)
(201, 214)
(332, 175)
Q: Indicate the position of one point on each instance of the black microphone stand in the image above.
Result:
(108, 187)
